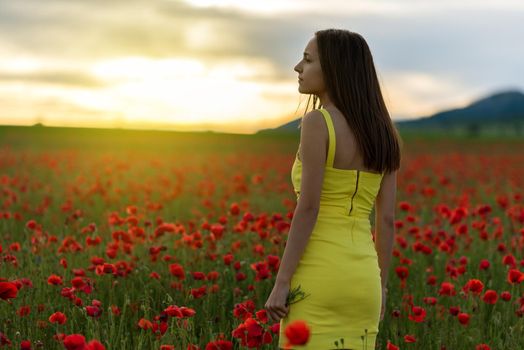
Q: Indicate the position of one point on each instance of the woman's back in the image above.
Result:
(346, 192)
(347, 154)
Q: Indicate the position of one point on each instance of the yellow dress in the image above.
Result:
(339, 267)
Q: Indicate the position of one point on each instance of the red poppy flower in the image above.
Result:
(54, 279)
(8, 290)
(447, 288)
(31, 224)
(93, 311)
(297, 333)
(177, 270)
(234, 209)
(473, 285)
(75, 342)
(454, 310)
(484, 264)
(402, 273)
(219, 345)
(217, 230)
(197, 275)
(408, 338)
(213, 275)
(490, 297)
(463, 318)
(23, 310)
(262, 315)
(404, 206)
(145, 324)
(509, 260)
(506, 296)
(391, 346)
(515, 276)
(95, 345)
(58, 317)
(228, 258)
(418, 314)
(159, 328)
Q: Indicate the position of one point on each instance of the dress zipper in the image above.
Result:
(354, 193)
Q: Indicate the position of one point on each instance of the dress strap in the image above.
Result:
(332, 140)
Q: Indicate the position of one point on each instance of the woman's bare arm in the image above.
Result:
(384, 223)
(313, 150)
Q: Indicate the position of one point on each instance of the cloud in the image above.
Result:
(427, 53)
(48, 109)
(79, 30)
(66, 78)
(355, 7)
(412, 93)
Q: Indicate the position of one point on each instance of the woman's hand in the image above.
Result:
(276, 303)
(383, 307)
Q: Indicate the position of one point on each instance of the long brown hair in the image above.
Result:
(352, 84)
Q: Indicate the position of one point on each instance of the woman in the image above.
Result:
(347, 163)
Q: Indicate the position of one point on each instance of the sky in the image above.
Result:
(227, 65)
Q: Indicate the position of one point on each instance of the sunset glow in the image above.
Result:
(227, 65)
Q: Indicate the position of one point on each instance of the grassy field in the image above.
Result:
(155, 240)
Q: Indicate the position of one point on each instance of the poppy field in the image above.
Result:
(119, 240)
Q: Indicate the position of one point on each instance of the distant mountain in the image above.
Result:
(501, 108)
(504, 108)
